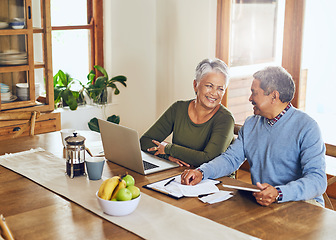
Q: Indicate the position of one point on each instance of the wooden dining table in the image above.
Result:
(34, 212)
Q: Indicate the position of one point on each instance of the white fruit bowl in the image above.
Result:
(118, 208)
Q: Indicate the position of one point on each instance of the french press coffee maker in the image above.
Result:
(75, 155)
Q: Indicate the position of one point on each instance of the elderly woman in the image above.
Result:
(202, 127)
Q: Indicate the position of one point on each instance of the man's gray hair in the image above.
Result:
(212, 65)
(278, 79)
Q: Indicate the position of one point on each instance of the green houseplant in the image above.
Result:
(93, 124)
(63, 95)
(97, 87)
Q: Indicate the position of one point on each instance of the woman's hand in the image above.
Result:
(191, 177)
(160, 147)
(178, 161)
(267, 195)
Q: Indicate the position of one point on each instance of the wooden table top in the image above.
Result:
(34, 212)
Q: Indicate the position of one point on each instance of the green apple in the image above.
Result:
(134, 190)
(124, 194)
(129, 180)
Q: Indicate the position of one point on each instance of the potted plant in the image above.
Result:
(93, 123)
(97, 87)
(63, 95)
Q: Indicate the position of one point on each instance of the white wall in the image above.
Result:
(130, 48)
(319, 58)
(186, 34)
(157, 45)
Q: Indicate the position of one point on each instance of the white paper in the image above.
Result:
(171, 188)
(96, 148)
(217, 197)
(204, 187)
(175, 188)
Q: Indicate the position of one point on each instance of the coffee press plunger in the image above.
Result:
(75, 155)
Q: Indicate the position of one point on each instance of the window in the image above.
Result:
(77, 35)
(301, 36)
(252, 34)
(256, 32)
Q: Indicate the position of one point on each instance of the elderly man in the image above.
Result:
(282, 144)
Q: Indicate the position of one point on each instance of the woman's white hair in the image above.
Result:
(212, 65)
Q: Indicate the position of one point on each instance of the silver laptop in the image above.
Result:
(122, 146)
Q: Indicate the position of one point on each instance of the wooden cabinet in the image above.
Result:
(25, 57)
(47, 122)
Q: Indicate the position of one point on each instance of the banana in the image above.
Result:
(122, 184)
(107, 187)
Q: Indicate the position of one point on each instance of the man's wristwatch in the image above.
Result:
(280, 195)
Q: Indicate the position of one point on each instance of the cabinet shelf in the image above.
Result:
(4, 32)
(19, 68)
(13, 32)
(16, 68)
(34, 41)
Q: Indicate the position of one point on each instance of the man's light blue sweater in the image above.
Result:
(289, 155)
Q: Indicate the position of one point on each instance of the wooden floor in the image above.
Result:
(245, 177)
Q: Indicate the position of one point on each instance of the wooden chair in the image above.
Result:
(330, 151)
(15, 116)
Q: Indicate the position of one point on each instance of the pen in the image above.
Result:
(169, 182)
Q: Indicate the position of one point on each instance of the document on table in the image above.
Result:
(175, 189)
(96, 148)
(216, 197)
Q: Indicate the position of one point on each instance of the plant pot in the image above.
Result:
(81, 99)
(64, 104)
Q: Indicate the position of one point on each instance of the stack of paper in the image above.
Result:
(173, 187)
(216, 197)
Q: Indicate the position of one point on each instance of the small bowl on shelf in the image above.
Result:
(22, 91)
(17, 23)
(5, 96)
(4, 88)
(118, 208)
(3, 25)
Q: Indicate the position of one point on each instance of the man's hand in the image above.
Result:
(267, 195)
(191, 177)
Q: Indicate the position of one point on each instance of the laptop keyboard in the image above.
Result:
(148, 165)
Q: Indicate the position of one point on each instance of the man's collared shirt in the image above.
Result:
(271, 122)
